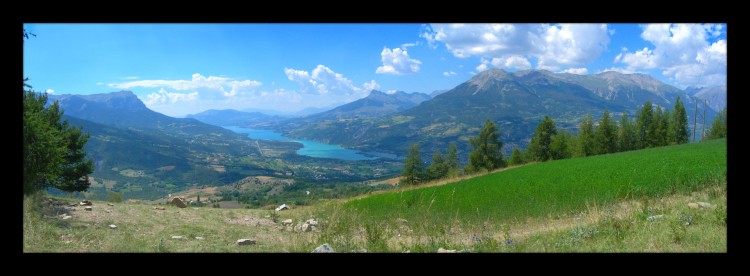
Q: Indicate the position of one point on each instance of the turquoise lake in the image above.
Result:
(310, 148)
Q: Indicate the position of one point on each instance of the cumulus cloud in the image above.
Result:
(325, 81)
(619, 69)
(397, 61)
(512, 62)
(689, 54)
(449, 73)
(577, 71)
(49, 91)
(164, 97)
(208, 86)
(552, 46)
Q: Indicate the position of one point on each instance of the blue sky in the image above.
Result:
(180, 69)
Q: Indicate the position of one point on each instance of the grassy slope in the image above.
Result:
(557, 187)
(616, 223)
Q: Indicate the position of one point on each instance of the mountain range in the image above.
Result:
(516, 102)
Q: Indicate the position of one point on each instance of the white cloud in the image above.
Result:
(397, 61)
(208, 86)
(577, 71)
(391, 91)
(163, 97)
(553, 46)
(449, 73)
(49, 91)
(132, 78)
(688, 54)
(325, 81)
(483, 66)
(512, 62)
(372, 85)
(619, 69)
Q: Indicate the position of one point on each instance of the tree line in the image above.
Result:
(653, 127)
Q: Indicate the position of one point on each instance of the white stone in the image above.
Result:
(324, 248)
(112, 226)
(245, 241)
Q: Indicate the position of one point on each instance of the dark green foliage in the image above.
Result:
(626, 136)
(656, 135)
(539, 148)
(719, 127)
(679, 127)
(585, 139)
(451, 161)
(486, 154)
(643, 125)
(114, 197)
(414, 171)
(52, 149)
(438, 169)
(605, 136)
(516, 157)
(560, 147)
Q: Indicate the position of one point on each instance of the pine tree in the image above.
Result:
(486, 154)
(585, 140)
(539, 147)
(642, 125)
(668, 137)
(560, 147)
(626, 134)
(679, 126)
(53, 151)
(516, 157)
(451, 161)
(438, 169)
(413, 172)
(605, 135)
(719, 126)
(656, 132)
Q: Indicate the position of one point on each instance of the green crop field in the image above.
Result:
(556, 188)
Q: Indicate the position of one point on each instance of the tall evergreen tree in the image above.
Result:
(438, 169)
(668, 137)
(560, 146)
(679, 126)
(413, 172)
(451, 161)
(585, 139)
(486, 154)
(642, 125)
(516, 157)
(539, 147)
(626, 135)
(656, 132)
(605, 140)
(719, 126)
(53, 154)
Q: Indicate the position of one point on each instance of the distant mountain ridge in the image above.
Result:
(515, 101)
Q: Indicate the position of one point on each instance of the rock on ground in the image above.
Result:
(286, 222)
(88, 208)
(177, 237)
(443, 250)
(112, 226)
(324, 248)
(245, 241)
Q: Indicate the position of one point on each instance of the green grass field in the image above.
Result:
(556, 188)
(595, 204)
